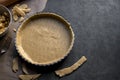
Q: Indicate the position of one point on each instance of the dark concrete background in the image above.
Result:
(96, 24)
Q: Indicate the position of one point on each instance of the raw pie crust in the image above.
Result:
(68, 70)
(44, 39)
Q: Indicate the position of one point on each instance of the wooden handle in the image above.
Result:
(7, 2)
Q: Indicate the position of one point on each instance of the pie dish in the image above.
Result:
(44, 39)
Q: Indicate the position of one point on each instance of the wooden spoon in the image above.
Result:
(7, 2)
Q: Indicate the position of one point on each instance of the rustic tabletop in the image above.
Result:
(97, 36)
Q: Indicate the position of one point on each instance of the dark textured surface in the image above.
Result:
(96, 24)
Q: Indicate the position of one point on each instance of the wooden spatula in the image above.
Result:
(7, 2)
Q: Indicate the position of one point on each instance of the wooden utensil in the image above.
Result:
(7, 2)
